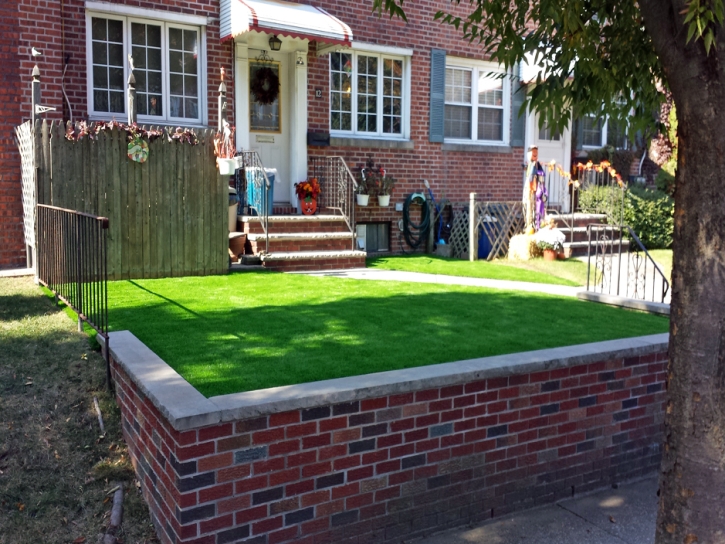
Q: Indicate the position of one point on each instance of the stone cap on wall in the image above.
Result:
(186, 408)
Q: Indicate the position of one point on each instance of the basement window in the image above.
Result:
(373, 237)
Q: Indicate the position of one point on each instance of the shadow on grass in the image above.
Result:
(236, 347)
(16, 307)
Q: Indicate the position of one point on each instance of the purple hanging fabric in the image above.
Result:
(542, 196)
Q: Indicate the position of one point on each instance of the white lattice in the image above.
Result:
(24, 139)
(459, 234)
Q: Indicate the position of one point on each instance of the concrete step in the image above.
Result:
(293, 223)
(578, 219)
(580, 234)
(579, 249)
(288, 261)
(301, 241)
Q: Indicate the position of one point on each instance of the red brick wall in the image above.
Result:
(12, 246)
(387, 468)
(61, 31)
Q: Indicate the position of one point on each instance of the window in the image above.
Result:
(477, 103)
(547, 133)
(600, 131)
(166, 58)
(592, 130)
(367, 94)
(373, 237)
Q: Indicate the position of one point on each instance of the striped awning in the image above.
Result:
(285, 18)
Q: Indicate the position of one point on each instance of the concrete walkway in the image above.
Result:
(626, 515)
(417, 277)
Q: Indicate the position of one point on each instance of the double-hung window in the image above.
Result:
(368, 94)
(598, 131)
(167, 67)
(477, 103)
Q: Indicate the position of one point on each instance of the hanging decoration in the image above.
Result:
(138, 149)
(264, 84)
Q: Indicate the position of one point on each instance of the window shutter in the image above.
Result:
(437, 95)
(518, 124)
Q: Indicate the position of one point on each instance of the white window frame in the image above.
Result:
(381, 52)
(477, 68)
(164, 20)
(605, 134)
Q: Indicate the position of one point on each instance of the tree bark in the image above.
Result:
(692, 480)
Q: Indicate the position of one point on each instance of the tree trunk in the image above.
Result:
(692, 480)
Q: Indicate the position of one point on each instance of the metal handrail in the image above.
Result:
(253, 168)
(338, 188)
(73, 265)
(607, 250)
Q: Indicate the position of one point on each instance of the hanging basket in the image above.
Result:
(226, 166)
(362, 200)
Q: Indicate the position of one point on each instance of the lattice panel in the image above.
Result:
(499, 222)
(459, 234)
(24, 139)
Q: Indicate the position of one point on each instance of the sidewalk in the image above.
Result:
(626, 515)
(417, 277)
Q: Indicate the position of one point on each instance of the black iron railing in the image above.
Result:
(622, 266)
(72, 263)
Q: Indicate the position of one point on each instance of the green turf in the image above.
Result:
(570, 272)
(254, 330)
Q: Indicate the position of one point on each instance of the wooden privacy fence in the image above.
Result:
(167, 216)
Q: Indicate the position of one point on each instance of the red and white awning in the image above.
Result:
(285, 18)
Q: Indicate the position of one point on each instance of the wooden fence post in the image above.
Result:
(131, 94)
(35, 94)
(472, 255)
(222, 103)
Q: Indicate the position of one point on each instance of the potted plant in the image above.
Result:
(383, 187)
(377, 182)
(308, 191)
(550, 240)
(224, 150)
(362, 195)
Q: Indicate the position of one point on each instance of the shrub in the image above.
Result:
(650, 214)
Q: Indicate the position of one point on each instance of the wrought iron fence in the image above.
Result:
(338, 186)
(252, 179)
(622, 266)
(72, 263)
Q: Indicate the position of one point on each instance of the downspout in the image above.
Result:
(641, 162)
(66, 60)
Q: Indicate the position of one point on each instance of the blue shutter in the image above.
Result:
(437, 95)
(518, 125)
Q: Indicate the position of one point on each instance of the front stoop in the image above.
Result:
(302, 243)
(577, 245)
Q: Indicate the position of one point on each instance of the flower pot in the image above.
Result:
(549, 255)
(362, 200)
(384, 200)
(226, 166)
(308, 206)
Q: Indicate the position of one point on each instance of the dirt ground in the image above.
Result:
(57, 470)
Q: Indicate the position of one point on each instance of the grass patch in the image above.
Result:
(254, 330)
(663, 257)
(571, 272)
(55, 468)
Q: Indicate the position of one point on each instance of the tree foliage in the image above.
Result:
(596, 55)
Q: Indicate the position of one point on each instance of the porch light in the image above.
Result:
(275, 43)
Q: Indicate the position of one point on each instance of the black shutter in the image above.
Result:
(437, 95)
(518, 123)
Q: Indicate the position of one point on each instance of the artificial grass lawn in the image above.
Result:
(571, 272)
(254, 330)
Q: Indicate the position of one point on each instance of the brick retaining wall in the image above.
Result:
(388, 456)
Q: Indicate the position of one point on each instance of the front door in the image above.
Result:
(269, 127)
(554, 146)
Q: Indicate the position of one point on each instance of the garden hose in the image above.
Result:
(415, 233)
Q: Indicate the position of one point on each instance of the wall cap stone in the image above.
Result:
(186, 408)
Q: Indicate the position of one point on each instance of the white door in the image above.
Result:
(554, 146)
(269, 127)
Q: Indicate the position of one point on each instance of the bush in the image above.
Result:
(648, 212)
(651, 216)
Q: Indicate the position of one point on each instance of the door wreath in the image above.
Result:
(265, 85)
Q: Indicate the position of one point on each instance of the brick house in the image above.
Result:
(415, 97)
